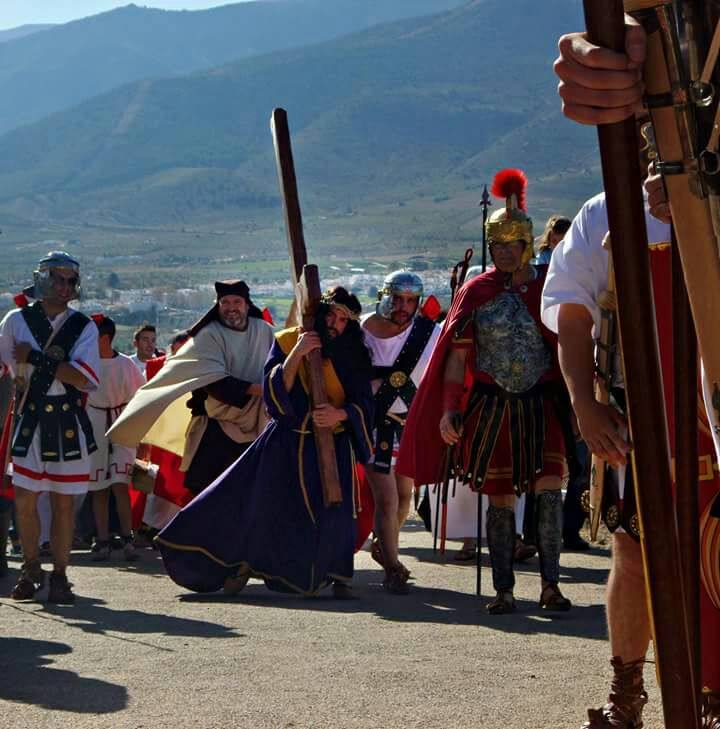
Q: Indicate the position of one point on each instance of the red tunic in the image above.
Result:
(709, 482)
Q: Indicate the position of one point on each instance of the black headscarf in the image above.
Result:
(232, 287)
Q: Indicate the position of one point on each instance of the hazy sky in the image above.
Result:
(21, 12)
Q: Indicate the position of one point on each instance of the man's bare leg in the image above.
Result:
(627, 615)
(28, 522)
(61, 533)
(101, 507)
(385, 495)
(122, 503)
(61, 537)
(405, 487)
(629, 628)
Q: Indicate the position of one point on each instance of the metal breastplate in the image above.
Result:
(509, 345)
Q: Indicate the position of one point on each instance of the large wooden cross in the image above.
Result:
(307, 300)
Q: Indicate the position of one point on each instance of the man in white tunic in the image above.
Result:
(111, 464)
(401, 342)
(222, 366)
(52, 351)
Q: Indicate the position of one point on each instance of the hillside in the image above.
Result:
(22, 31)
(421, 108)
(47, 72)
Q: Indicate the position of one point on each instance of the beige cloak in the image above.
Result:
(158, 415)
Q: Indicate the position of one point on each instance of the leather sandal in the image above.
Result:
(503, 604)
(60, 591)
(553, 600)
(710, 710)
(395, 581)
(376, 552)
(626, 701)
(32, 579)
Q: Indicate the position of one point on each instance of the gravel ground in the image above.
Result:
(138, 652)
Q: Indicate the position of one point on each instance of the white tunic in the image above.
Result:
(119, 380)
(139, 364)
(384, 352)
(31, 472)
(579, 269)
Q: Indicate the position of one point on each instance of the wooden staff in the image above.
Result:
(646, 412)
(307, 294)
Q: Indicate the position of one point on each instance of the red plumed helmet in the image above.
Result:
(511, 182)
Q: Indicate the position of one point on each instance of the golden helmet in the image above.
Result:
(512, 222)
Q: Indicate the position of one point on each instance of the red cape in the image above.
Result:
(422, 448)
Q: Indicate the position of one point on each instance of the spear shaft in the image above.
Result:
(646, 411)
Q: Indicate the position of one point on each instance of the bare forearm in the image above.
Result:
(69, 375)
(576, 352)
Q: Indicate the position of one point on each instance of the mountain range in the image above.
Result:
(420, 109)
(54, 70)
(22, 31)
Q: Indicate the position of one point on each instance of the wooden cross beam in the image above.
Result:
(307, 300)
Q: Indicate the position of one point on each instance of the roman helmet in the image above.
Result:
(42, 279)
(512, 222)
(398, 282)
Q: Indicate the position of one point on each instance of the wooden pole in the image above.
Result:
(643, 379)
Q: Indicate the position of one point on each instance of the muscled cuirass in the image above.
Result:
(509, 345)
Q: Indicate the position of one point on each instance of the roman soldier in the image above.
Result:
(401, 341)
(487, 408)
(52, 351)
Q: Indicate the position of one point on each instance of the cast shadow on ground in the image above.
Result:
(424, 605)
(591, 575)
(149, 562)
(91, 615)
(29, 678)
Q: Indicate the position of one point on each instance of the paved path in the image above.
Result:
(138, 652)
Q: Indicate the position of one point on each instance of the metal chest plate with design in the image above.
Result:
(510, 347)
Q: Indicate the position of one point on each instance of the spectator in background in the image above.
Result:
(111, 464)
(554, 232)
(144, 341)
